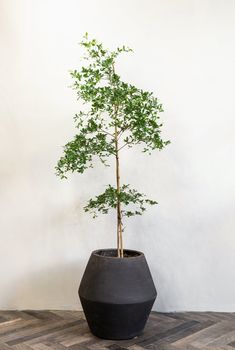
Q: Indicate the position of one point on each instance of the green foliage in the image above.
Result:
(89, 142)
(133, 200)
(110, 104)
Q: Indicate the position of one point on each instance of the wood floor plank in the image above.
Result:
(60, 335)
(10, 322)
(12, 330)
(154, 338)
(55, 346)
(181, 333)
(228, 338)
(68, 330)
(40, 346)
(5, 347)
(41, 333)
(21, 347)
(222, 347)
(28, 328)
(153, 329)
(202, 338)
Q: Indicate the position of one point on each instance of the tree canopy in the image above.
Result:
(116, 115)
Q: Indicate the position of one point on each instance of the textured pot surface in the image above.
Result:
(117, 294)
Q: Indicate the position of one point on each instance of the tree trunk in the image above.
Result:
(119, 213)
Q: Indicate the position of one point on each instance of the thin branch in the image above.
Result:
(108, 133)
(122, 131)
(127, 143)
(120, 134)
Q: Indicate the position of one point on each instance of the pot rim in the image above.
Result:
(139, 254)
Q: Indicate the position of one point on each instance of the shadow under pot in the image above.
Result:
(117, 294)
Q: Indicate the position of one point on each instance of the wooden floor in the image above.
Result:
(61, 330)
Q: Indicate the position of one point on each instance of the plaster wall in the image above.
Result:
(184, 52)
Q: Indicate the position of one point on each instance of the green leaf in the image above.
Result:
(133, 201)
(109, 104)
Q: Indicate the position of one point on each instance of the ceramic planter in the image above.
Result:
(117, 294)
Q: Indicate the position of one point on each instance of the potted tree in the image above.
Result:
(117, 291)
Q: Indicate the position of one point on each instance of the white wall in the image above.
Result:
(184, 52)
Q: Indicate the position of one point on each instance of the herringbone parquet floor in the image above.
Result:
(61, 330)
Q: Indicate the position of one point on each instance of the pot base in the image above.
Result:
(114, 321)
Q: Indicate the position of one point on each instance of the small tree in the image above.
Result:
(119, 115)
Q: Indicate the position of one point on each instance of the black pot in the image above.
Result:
(117, 294)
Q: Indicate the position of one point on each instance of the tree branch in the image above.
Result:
(120, 134)
(127, 143)
(107, 133)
